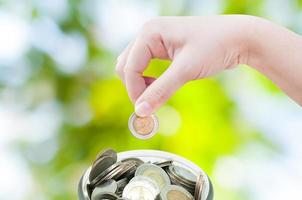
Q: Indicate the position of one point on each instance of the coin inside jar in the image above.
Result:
(141, 187)
(143, 127)
(175, 192)
(108, 187)
(155, 173)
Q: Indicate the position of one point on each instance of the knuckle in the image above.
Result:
(154, 37)
(127, 70)
(188, 73)
(185, 74)
(158, 95)
(183, 78)
(150, 27)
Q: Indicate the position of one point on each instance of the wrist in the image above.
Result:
(257, 45)
(254, 44)
(270, 45)
(242, 42)
(276, 52)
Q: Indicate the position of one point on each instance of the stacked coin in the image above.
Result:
(183, 177)
(134, 179)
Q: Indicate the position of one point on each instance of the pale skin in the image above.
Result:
(200, 47)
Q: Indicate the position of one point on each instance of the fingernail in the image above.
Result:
(143, 109)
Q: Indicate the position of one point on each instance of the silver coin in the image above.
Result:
(137, 163)
(106, 196)
(101, 165)
(115, 171)
(119, 171)
(182, 177)
(176, 181)
(121, 184)
(141, 188)
(101, 175)
(136, 160)
(107, 152)
(163, 164)
(109, 186)
(199, 187)
(175, 192)
(154, 172)
(143, 127)
(184, 173)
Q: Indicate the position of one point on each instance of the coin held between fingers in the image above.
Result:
(143, 127)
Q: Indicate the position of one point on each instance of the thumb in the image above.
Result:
(163, 87)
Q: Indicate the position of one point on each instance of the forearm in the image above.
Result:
(277, 53)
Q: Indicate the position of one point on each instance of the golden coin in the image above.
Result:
(177, 195)
(143, 127)
(175, 192)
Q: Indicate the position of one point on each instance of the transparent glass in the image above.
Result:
(153, 156)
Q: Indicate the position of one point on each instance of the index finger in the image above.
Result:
(138, 60)
(143, 50)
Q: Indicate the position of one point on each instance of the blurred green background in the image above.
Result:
(61, 102)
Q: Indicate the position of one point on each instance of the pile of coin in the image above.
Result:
(134, 179)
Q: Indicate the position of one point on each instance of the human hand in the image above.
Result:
(198, 47)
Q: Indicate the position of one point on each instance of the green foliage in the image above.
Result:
(299, 2)
(251, 7)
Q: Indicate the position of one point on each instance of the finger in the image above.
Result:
(163, 87)
(122, 60)
(143, 50)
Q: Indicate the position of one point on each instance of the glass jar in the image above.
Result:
(153, 156)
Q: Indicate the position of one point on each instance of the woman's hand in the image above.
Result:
(197, 46)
